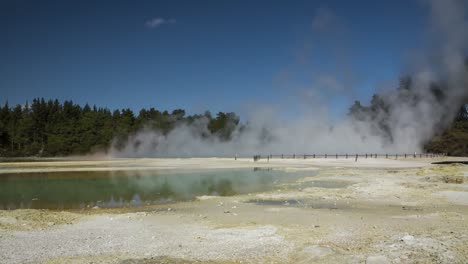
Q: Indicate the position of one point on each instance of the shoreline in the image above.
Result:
(392, 211)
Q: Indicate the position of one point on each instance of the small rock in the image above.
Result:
(227, 212)
(316, 226)
(169, 209)
(95, 207)
(234, 207)
(377, 260)
(407, 238)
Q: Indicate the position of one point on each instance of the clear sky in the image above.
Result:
(204, 55)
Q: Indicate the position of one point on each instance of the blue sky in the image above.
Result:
(204, 55)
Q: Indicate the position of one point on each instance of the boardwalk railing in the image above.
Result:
(350, 156)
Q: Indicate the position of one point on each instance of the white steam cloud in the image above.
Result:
(407, 121)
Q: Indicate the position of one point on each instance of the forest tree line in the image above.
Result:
(50, 128)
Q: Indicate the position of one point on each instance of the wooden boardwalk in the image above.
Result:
(350, 156)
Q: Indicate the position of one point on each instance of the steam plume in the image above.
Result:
(408, 117)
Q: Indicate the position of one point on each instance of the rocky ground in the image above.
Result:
(375, 211)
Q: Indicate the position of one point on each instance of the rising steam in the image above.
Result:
(410, 117)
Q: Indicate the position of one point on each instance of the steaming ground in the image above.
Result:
(373, 211)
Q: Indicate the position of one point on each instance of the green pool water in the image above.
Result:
(75, 190)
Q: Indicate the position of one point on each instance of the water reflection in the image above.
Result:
(74, 190)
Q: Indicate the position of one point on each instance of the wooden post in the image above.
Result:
(336, 156)
(346, 155)
(314, 156)
(396, 156)
(304, 156)
(356, 158)
(386, 156)
(294, 156)
(325, 155)
(282, 156)
(366, 155)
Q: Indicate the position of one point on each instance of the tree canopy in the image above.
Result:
(51, 128)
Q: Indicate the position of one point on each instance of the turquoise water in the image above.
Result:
(78, 190)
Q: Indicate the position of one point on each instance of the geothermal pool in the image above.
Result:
(110, 189)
